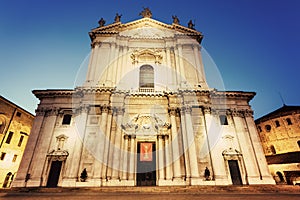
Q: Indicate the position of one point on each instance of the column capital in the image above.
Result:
(159, 136)
(172, 111)
(133, 136)
(120, 110)
(188, 109)
(206, 110)
(40, 112)
(52, 112)
(248, 113)
(105, 108)
(237, 113)
(96, 44)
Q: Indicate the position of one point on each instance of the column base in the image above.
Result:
(264, 180)
(174, 182)
(115, 182)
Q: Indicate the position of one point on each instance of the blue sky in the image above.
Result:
(254, 43)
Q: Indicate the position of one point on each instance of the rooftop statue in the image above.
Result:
(175, 19)
(191, 25)
(146, 13)
(101, 22)
(117, 18)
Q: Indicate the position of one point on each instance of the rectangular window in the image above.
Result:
(9, 137)
(20, 141)
(14, 158)
(223, 120)
(66, 119)
(2, 156)
(18, 114)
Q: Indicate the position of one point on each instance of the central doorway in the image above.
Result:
(146, 164)
(54, 173)
(235, 172)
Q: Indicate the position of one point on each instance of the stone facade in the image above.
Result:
(279, 132)
(144, 116)
(15, 126)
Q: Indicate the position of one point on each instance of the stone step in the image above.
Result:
(167, 189)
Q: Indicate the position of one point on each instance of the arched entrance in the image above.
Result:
(7, 180)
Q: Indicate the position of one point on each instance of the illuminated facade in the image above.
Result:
(15, 126)
(144, 116)
(279, 132)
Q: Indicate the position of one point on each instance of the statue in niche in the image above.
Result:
(191, 25)
(117, 18)
(83, 175)
(146, 13)
(101, 22)
(175, 19)
(207, 174)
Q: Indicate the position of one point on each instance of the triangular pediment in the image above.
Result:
(146, 28)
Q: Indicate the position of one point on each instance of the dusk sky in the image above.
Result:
(254, 43)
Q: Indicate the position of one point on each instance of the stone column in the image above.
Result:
(112, 145)
(191, 143)
(175, 145)
(109, 77)
(177, 67)
(120, 65)
(160, 155)
(91, 61)
(172, 80)
(101, 136)
(257, 148)
(168, 158)
(125, 157)
(197, 62)
(115, 65)
(20, 180)
(208, 122)
(117, 145)
(246, 146)
(124, 61)
(80, 125)
(42, 149)
(106, 144)
(181, 65)
(95, 61)
(185, 144)
(132, 163)
(205, 154)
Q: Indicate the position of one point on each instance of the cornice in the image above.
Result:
(116, 28)
(52, 93)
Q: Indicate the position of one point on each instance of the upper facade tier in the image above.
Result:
(146, 55)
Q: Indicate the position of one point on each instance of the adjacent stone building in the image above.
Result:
(15, 126)
(279, 132)
(144, 116)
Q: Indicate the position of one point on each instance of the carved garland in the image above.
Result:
(137, 55)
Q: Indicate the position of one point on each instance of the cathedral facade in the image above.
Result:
(145, 115)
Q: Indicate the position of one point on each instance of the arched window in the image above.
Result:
(277, 123)
(280, 176)
(146, 76)
(273, 150)
(289, 121)
(298, 142)
(66, 119)
(268, 128)
(6, 180)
